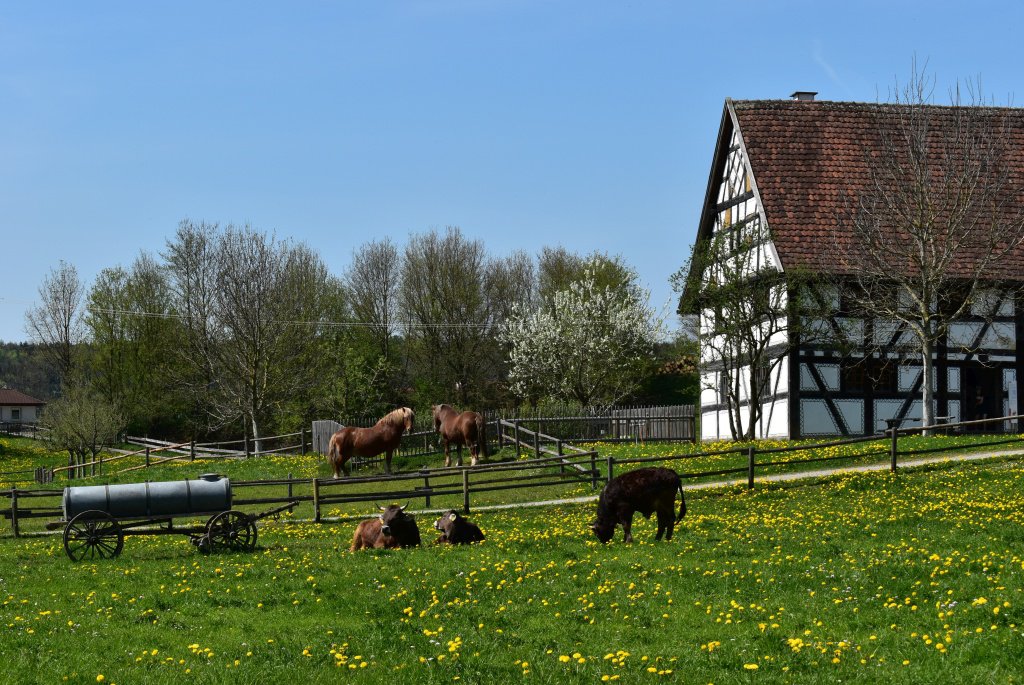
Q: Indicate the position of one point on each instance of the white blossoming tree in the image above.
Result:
(590, 345)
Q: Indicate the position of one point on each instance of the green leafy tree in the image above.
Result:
(82, 423)
(132, 331)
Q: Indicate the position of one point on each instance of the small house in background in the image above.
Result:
(785, 165)
(17, 407)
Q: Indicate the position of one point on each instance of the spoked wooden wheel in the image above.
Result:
(93, 535)
(231, 530)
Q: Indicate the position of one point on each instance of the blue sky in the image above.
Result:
(524, 122)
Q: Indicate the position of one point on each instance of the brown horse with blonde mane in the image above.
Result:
(383, 436)
(467, 428)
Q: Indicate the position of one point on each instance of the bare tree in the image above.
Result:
(372, 283)
(56, 322)
(748, 316)
(252, 308)
(924, 241)
(456, 299)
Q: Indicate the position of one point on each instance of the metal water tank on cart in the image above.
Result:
(208, 494)
(97, 517)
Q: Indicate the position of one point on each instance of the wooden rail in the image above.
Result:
(465, 481)
(574, 465)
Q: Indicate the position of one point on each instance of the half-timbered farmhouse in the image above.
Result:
(787, 165)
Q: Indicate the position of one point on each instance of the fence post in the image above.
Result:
(316, 500)
(593, 470)
(536, 442)
(516, 426)
(501, 434)
(611, 467)
(465, 491)
(192, 450)
(247, 452)
(14, 511)
(302, 441)
(750, 467)
(147, 455)
(893, 449)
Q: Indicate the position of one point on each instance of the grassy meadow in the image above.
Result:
(912, 578)
(19, 456)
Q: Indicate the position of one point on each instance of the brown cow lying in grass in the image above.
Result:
(456, 530)
(393, 528)
(647, 490)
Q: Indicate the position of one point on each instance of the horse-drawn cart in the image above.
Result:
(98, 517)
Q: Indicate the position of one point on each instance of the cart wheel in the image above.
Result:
(232, 530)
(93, 534)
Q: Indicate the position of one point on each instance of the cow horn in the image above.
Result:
(380, 507)
(404, 506)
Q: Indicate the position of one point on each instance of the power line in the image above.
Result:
(288, 322)
(396, 325)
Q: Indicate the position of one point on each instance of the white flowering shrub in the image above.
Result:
(590, 345)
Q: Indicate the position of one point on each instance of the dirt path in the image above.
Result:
(781, 477)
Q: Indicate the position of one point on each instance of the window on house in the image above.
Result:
(852, 377)
(16, 414)
(719, 318)
(952, 299)
(851, 298)
(764, 381)
(723, 388)
(884, 377)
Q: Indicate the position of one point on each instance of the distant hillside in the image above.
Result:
(22, 367)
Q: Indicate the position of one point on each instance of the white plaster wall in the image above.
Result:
(29, 413)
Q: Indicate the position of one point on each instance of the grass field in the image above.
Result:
(19, 456)
(869, 578)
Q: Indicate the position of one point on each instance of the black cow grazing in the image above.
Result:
(645, 490)
(393, 528)
(456, 530)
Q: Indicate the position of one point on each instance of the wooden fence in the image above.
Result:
(21, 429)
(617, 424)
(554, 462)
(464, 482)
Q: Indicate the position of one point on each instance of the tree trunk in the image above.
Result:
(754, 403)
(735, 415)
(257, 440)
(927, 389)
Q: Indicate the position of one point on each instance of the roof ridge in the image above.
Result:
(855, 104)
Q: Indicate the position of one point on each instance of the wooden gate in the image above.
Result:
(322, 432)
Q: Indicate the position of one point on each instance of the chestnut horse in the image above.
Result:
(467, 428)
(369, 442)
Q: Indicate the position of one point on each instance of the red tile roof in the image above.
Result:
(807, 156)
(13, 397)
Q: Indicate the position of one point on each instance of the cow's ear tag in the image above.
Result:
(452, 516)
